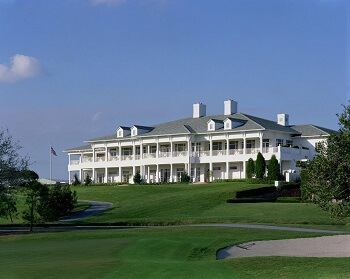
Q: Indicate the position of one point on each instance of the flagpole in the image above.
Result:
(50, 164)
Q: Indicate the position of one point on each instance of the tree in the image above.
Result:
(87, 180)
(57, 202)
(36, 193)
(137, 178)
(185, 178)
(250, 171)
(12, 167)
(326, 179)
(273, 169)
(76, 180)
(260, 166)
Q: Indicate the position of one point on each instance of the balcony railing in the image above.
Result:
(100, 159)
(86, 159)
(236, 151)
(179, 153)
(113, 158)
(164, 154)
(149, 155)
(74, 162)
(252, 150)
(126, 157)
(137, 157)
(219, 152)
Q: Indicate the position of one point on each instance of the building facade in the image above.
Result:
(206, 147)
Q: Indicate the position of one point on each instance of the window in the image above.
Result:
(211, 127)
(216, 168)
(137, 150)
(228, 125)
(180, 147)
(127, 151)
(233, 167)
(164, 148)
(179, 172)
(279, 142)
(113, 152)
(196, 146)
(217, 145)
(134, 132)
(234, 144)
(120, 134)
(250, 144)
(153, 149)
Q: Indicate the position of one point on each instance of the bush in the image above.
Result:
(273, 169)
(295, 146)
(255, 192)
(76, 180)
(87, 180)
(250, 200)
(260, 166)
(185, 178)
(288, 200)
(137, 178)
(289, 186)
(304, 147)
(250, 168)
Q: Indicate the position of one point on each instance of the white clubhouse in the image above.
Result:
(206, 147)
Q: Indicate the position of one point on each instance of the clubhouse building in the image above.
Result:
(206, 147)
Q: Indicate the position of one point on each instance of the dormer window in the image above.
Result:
(211, 127)
(120, 134)
(123, 132)
(231, 123)
(214, 124)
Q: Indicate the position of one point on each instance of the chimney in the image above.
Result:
(283, 119)
(199, 110)
(230, 107)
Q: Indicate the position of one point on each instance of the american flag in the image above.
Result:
(53, 151)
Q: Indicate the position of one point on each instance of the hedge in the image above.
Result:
(250, 200)
(255, 192)
(288, 200)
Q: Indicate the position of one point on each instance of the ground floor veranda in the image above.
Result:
(163, 173)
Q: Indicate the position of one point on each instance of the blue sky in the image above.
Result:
(71, 70)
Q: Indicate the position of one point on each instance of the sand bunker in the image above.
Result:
(325, 246)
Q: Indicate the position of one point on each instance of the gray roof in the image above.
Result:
(199, 126)
(143, 127)
(79, 148)
(309, 130)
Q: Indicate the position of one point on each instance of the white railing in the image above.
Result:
(113, 158)
(100, 159)
(74, 162)
(219, 152)
(164, 154)
(86, 159)
(236, 151)
(137, 157)
(126, 157)
(204, 153)
(180, 153)
(252, 150)
(149, 155)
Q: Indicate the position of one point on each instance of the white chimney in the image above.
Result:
(283, 119)
(230, 107)
(199, 110)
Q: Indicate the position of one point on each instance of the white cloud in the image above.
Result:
(21, 67)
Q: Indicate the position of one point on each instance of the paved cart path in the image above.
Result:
(325, 246)
(95, 208)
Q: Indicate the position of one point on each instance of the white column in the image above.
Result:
(133, 171)
(244, 144)
(171, 173)
(133, 151)
(157, 173)
(81, 175)
(120, 174)
(227, 170)
(195, 173)
(261, 142)
(69, 179)
(157, 154)
(171, 147)
(120, 152)
(148, 173)
(244, 168)
(211, 146)
(93, 154)
(227, 146)
(141, 151)
(211, 171)
(93, 174)
(106, 175)
(106, 154)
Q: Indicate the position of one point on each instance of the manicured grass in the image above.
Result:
(175, 204)
(180, 252)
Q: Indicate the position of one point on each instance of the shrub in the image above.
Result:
(260, 166)
(87, 180)
(76, 180)
(304, 147)
(255, 192)
(285, 145)
(185, 178)
(250, 200)
(137, 178)
(295, 146)
(273, 169)
(250, 168)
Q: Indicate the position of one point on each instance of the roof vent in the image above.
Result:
(230, 107)
(199, 110)
(283, 119)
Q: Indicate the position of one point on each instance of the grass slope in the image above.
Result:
(171, 204)
(154, 253)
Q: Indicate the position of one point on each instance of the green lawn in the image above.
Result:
(180, 252)
(172, 204)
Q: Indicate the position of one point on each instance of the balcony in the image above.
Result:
(127, 157)
(164, 154)
(149, 155)
(252, 150)
(180, 153)
(236, 151)
(86, 159)
(113, 158)
(74, 162)
(100, 159)
(219, 152)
